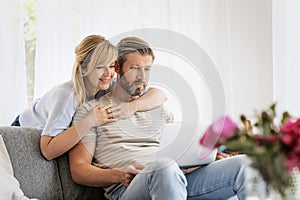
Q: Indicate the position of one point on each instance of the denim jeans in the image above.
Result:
(164, 180)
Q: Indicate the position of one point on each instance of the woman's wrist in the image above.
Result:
(86, 124)
(133, 106)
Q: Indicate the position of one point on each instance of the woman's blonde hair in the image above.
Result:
(93, 50)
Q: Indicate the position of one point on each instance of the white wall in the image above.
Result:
(250, 23)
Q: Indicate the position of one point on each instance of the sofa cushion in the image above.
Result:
(71, 190)
(38, 178)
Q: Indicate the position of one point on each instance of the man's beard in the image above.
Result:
(130, 88)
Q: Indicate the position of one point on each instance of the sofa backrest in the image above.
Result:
(38, 177)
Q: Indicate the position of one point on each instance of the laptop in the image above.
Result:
(180, 142)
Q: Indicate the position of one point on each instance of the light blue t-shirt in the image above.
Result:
(54, 111)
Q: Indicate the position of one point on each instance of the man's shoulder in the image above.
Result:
(91, 103)
(104, 100)
(88, 105)
(101, 100)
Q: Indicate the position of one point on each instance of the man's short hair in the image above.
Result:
(132, 44)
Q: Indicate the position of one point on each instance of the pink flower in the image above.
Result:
(290, 131)
(222, 128)
(287, 139)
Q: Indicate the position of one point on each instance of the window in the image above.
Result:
(30, 24)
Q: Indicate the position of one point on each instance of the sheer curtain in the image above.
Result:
(12, 56)
(58, 25)
(286, 52)
(251, 55)
(237, 36)
(287, 55)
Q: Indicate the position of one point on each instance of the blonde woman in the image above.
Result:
(93, 75)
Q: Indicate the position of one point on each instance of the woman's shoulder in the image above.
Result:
(65, 89)
(67, 86)
(60, 95)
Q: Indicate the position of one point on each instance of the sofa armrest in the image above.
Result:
(38, 177)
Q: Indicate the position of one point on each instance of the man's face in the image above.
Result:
(135, 73)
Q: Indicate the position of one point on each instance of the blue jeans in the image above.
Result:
(164, 180)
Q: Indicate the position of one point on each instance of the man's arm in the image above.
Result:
(84, 173)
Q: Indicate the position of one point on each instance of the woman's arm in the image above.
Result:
(52, 147)
(151, 99)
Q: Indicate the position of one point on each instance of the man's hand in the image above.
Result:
(126, 174)
(188, 170)
(221, 155)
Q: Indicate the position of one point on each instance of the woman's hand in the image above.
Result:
(100, 115)
(123, 110)
(221, 155)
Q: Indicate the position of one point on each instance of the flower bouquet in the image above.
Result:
(273, 149)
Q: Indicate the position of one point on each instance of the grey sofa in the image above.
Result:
(38, 177)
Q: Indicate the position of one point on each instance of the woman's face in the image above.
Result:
(101, 77)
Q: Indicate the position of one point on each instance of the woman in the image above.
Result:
(93, 74)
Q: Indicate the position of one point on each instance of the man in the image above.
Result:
(121, 155)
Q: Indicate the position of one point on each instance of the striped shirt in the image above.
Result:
(127, 141)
